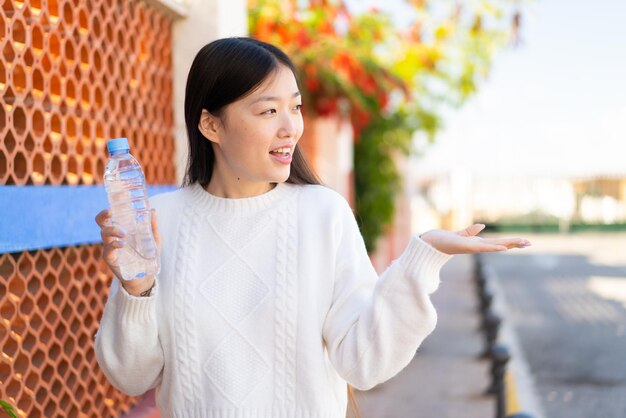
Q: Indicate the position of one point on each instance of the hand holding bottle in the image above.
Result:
(112, 240)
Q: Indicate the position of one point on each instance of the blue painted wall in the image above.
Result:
(36, 217)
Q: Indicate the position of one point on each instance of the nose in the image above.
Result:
(288, 126)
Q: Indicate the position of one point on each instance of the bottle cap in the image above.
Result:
(117, 144)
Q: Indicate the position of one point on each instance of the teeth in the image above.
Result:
(282, 151)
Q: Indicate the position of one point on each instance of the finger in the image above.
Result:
(109, 253)
(109, 249)
(510, 242)
(486, 248)
(110, 234)
(155, 228)
(102, 217)
(498, 248)
(479, 248)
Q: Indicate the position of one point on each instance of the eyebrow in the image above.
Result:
(273, 98)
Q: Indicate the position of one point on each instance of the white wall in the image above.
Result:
(198, 22)
(206, 21)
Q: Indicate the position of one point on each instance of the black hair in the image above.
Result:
(222, 72)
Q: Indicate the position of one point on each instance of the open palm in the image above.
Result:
(466, 241)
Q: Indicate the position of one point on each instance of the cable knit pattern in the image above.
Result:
(280, 317)
(286, 305)
(265, 308)
(186, 355)
(257, 413)
(291, 301)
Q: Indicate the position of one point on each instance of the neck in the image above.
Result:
(237, 189)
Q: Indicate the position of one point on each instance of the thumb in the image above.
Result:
(471, 230)
(155, 229)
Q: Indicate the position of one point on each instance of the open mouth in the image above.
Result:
(282, 152)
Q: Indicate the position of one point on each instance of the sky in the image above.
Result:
(554, 106)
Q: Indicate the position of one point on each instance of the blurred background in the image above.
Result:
(538, 147)
(422, 113)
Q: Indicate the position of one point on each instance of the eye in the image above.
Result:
(269, 112)
(298, 107)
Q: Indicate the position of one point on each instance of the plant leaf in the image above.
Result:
(8, 409)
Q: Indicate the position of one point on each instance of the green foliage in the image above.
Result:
(377, 180)
(6, 407)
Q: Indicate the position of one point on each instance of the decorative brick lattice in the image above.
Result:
(50, 306)
(74, 73)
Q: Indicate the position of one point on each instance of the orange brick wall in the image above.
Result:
(73, 74)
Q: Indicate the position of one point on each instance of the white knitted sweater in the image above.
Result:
(265, 307)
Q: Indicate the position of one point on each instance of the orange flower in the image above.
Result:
(284, 33)
(310, 70)
(367, 84)
(325, 27)
(383, 99)
(342, 64)
(326, 106)
(312, 84)
(360, 120)
(342, 60)
(302, 38)
(264, 30)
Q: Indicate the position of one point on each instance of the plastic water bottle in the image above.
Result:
(125, 185)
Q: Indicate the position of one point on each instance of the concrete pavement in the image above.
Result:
(566, 300)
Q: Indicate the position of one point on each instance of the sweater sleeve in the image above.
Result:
(375, 325)
(127, 343)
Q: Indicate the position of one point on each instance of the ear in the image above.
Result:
(209, 126)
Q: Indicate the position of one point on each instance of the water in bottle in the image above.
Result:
(125, 185)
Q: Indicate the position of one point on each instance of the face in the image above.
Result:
(255, 137)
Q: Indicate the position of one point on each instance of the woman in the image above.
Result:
(266, 303)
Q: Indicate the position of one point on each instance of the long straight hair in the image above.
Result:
(353, 407)
(223, 72)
